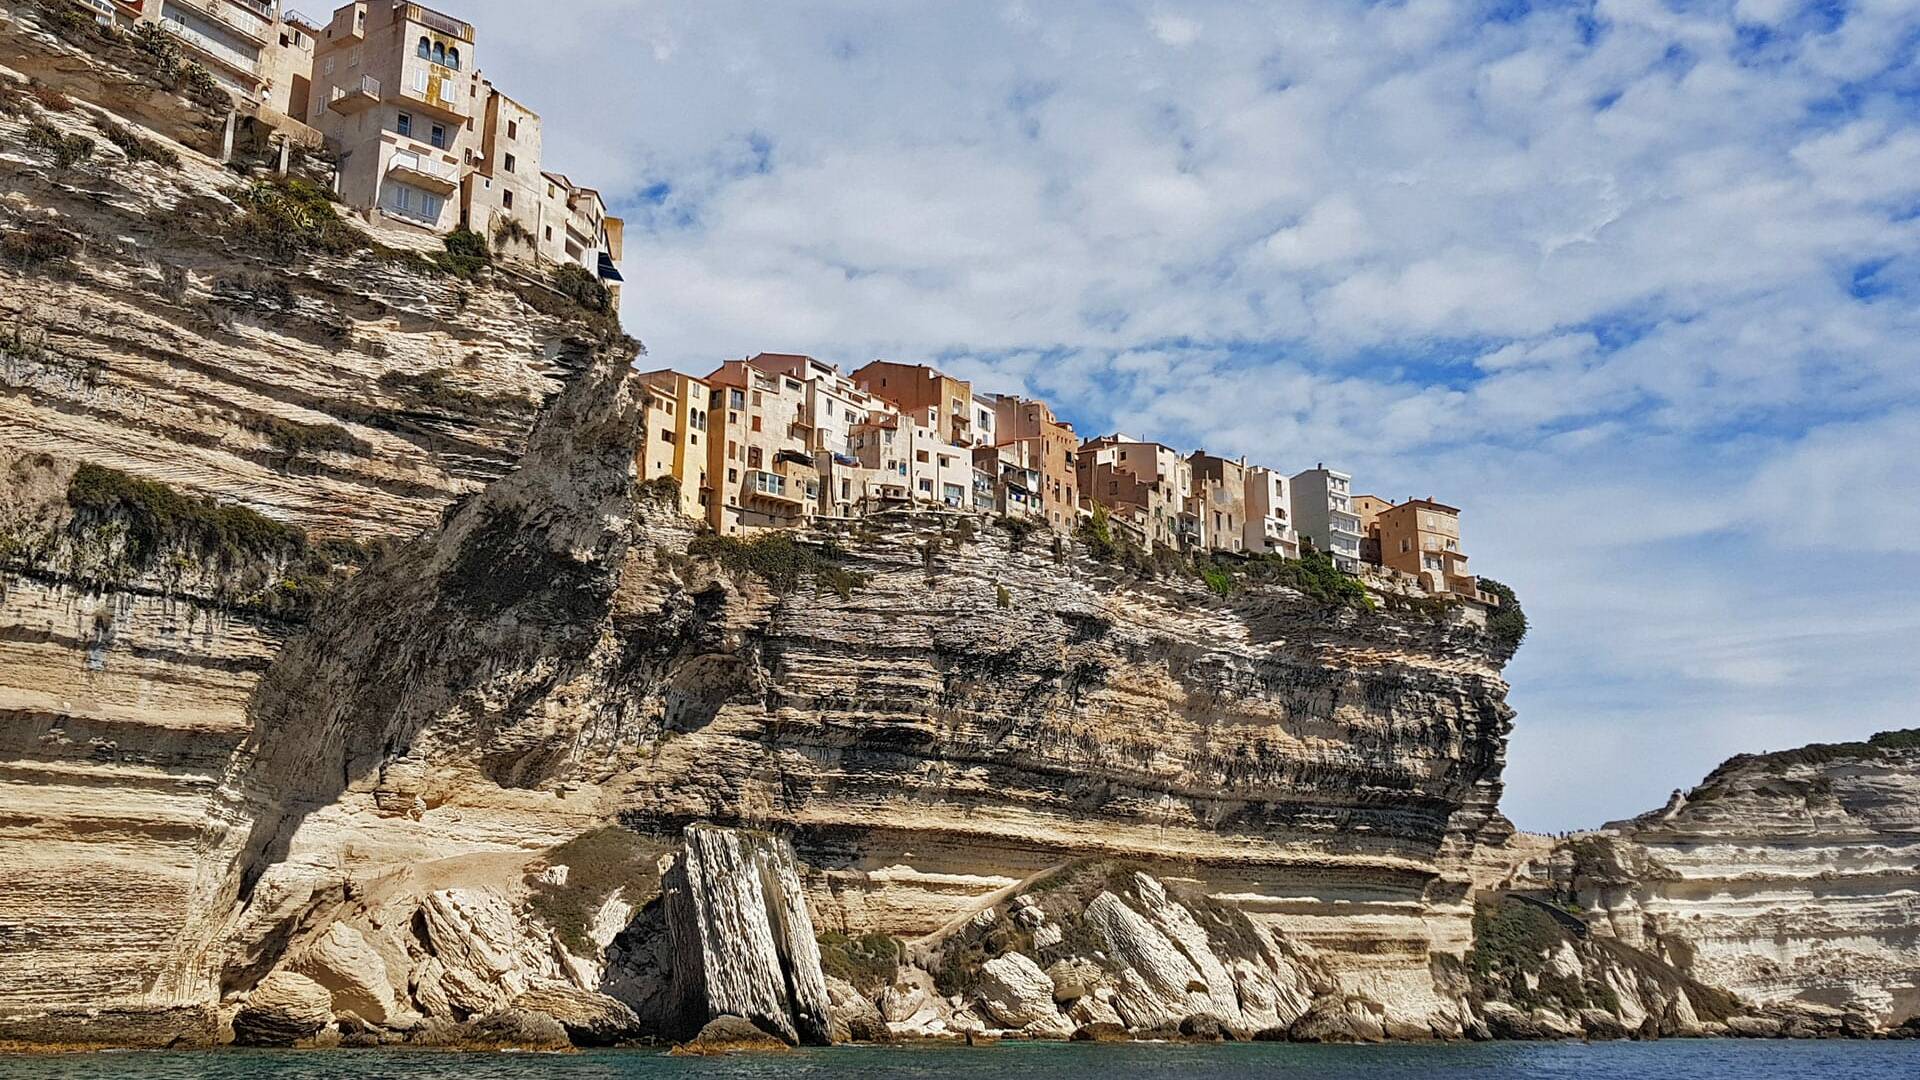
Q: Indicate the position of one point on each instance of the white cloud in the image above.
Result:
(1633, 284)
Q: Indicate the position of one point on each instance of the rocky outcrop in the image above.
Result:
(1790, 879)
(742, 939)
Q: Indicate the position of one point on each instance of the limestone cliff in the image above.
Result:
(1787, 878)
(933, 710)
(257, 411)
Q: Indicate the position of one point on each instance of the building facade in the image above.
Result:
(1219, 501)
(1421, 537)
(1368, 509)
(1047, 445)
(674, 437)
(1323, 515)
(1269, 528)
(763, 473)
(398, 95)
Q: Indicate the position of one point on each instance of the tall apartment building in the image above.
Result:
(1323, 515)
(1049, 446)
(425, 140)
(835, 408)
(1219, 501)
(762, 471)
(260, 54)
(1269, 528)
(933, 399)
(398, 94)
(1016, 483)
(674, 436)
(1422, 537)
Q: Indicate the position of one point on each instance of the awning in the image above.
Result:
(608, 271)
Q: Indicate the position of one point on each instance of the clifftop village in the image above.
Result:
(424, 142)
(781, 441)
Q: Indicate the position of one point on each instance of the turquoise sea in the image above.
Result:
(1669, 1060)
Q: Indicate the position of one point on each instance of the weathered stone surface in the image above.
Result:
(730, 1035)
(1788, 878)
(285, 1009)
(855, 1018)
(351, 969)
(1019, 996)
(743, 942)
(518, 1029)
(591, 1019)
(168, 351)
(1337, 1020)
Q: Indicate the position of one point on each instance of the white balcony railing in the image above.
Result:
(411, 162)
(209, 46)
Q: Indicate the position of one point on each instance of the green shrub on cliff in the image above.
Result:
(288, 218)
(870, 962)
(598, 863)
(1507, 624)
(780, 560)
(159, 519)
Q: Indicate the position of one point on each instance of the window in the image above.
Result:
(424, 49)
(439, 54)
(413, 203)
(439, 137)
(513, 129)
(753, 457)
(404, 124)
(549, 234)
(353, 57)
(506, 200)
(666, 436)
(756, 423)
(420, 81)
(510, 162)
(330, 65)
(453, 59)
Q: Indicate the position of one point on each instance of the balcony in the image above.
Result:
(766, 485)
(210, 48)
(347, 100)
(415, 170)
(238, 16)
(433, 20)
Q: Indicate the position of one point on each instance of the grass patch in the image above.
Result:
(435, 390)
(467, 254)
(598, 863)
(288, 219)
(160, 519)
(293, 440)
(40, 247)
(137, 149)
(67, 150)
(870, 962)
(781, 561)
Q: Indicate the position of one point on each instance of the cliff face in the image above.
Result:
(1788, 878)
(932, 710)
(150, 325)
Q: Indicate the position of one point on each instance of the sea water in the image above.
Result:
(1666, 1060)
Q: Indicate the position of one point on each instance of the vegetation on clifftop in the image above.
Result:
(598, 864)
(1506, 624)
(1313, 574)
(780, 560)
(280, 571)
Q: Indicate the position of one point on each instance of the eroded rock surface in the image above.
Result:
(1790, 879)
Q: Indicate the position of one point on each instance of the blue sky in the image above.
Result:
(1631, 281)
